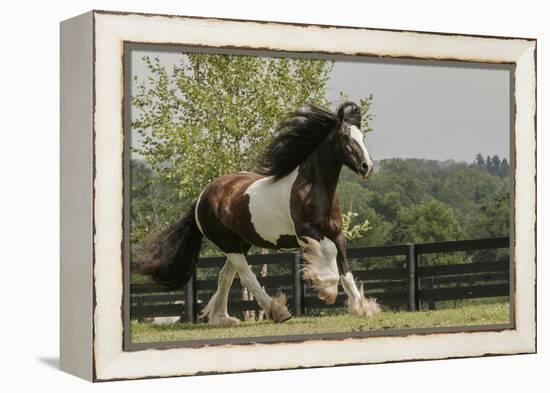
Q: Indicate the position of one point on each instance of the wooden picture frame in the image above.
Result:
(93, 272)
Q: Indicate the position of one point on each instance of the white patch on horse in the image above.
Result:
(358, 137)
(357, 303)
(321, 269)
(269, 205)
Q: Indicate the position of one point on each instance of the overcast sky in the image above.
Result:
(422, 111)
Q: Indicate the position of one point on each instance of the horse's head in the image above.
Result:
(351, 140)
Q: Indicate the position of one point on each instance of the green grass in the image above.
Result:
(480, 314)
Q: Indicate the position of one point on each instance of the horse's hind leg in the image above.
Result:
(274, 308)
(216, 310)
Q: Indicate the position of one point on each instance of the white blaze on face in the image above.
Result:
(358, 137)
(269, 205)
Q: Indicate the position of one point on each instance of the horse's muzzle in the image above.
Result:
(365, 169)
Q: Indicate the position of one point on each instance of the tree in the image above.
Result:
(495, 165)
(465, 188)
(504, 168)
(149, 198)
(428, 222)
(493, 218)
(489, 164)
(359, 200)
(479, 161)
(208, 115)
(432, 221)
(357, 231)
(211, 113)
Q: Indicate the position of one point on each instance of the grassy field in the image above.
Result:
(480, 314)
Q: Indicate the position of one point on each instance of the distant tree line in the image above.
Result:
(405, 201)
(419, 201)
(494, 165)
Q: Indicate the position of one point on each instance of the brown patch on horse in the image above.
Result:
(225, 218)
(222, 211)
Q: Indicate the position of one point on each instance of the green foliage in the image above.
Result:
(493, 218)
(151, 201)
(427, 222)
(208, 115)
(358, 199)
(430, 222)
(493, 165)
(356, 231)
(418, 209)
(466, 188)
(413, 200)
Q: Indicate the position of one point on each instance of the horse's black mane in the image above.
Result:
(299, 134)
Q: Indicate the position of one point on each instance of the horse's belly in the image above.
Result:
(269, 206)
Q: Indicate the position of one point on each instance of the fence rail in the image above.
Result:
(410, 286)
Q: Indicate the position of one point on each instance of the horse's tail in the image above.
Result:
(170, 256)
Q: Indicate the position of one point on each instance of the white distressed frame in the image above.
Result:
(111, 30)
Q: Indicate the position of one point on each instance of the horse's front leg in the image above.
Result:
(357, 303)
(321, 269)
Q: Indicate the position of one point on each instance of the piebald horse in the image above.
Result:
(288, 203)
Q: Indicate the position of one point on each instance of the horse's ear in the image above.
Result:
(350, 112)
(341, 113)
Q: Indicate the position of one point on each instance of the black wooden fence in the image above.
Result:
(412, 285)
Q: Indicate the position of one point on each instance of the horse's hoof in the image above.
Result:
(284, 317)
(223, 320)
(279, 315)
(365, 307)
(278, 312)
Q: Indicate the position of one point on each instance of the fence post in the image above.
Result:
(412, 264)
(431, 301)
(190, 297)
(297, 290)
(140, 303)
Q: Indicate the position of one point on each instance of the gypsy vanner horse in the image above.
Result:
(288, 203)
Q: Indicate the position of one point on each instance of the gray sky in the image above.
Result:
(431, 112)
(422, 111)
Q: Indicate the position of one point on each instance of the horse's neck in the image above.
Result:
(322, 169)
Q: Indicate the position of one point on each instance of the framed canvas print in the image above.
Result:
(247, 195)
